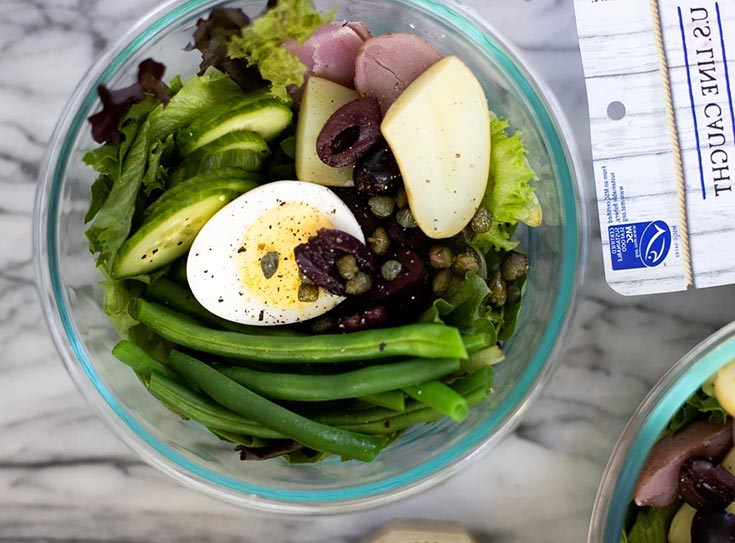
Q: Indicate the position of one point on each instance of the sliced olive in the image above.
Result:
(377, 171)
(349, 133)
(713, 527)
(706, 486)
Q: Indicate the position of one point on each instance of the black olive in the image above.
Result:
(349, 133)
(713, 527)
(374, 317)
(706, 486)
(377, 171)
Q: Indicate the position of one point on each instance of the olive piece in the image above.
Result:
(498, 291)
(514, 266)
(706, 486)
(349, 133)
(377, 172)
(713, 527)
(375, 317)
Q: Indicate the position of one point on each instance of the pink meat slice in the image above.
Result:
(331, 51)
(658, 483)
(387, 64)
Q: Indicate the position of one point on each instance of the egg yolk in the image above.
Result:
(279, 230)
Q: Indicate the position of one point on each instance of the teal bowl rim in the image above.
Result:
(551, 125)
(645, 426)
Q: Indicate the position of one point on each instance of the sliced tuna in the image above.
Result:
(387, 64)
(658, 483)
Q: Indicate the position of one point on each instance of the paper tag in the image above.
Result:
(642, 223)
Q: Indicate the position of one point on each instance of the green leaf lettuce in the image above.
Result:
(509, 195)
(261, 43)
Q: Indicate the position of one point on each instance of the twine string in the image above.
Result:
(674, 134)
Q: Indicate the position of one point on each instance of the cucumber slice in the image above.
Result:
(242, 159)
(268, 117)
(199, 184)
(169, 233)
(205, 178)
(238, 140)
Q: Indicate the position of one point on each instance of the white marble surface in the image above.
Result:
(65, 477)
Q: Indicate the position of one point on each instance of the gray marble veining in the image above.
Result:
(65, 477)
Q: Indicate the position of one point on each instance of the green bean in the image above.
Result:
(439, 396)
(311, 434)
(179, 298)
(391, 399)
(247, 441)
(477, 342)
(196, 407)
(418, 416)
(140, 361)
(480, 380)
(480, 359)
(415, 340)
(352, 384)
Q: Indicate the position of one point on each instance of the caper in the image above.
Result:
(308, 293)
(482, 221)
(391, 269)
(514, 266)
(466, 262)
(359, 284)
(347, 266)
(404, 217)
(379, 242)
(382, 206)
(322, 325)
(304, 279)
(401, 199)
(441, 282)
(498, 291)
(514, 293)
(440, 257)
(269, 264)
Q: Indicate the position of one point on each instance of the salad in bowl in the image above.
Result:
(685, 492)
(276, 260)
(307, 247)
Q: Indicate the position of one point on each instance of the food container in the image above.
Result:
(646, 425)
(424, 455)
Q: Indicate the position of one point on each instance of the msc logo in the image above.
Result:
(655, 242)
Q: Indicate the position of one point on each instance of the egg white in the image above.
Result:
(215, 262)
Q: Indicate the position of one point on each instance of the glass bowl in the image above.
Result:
(645, 427)
(68, 280)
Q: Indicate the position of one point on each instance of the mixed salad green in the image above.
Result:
(417, 322)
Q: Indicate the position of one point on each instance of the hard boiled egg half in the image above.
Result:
(225, 267)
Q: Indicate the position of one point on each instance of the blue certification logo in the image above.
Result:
(639, 245)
